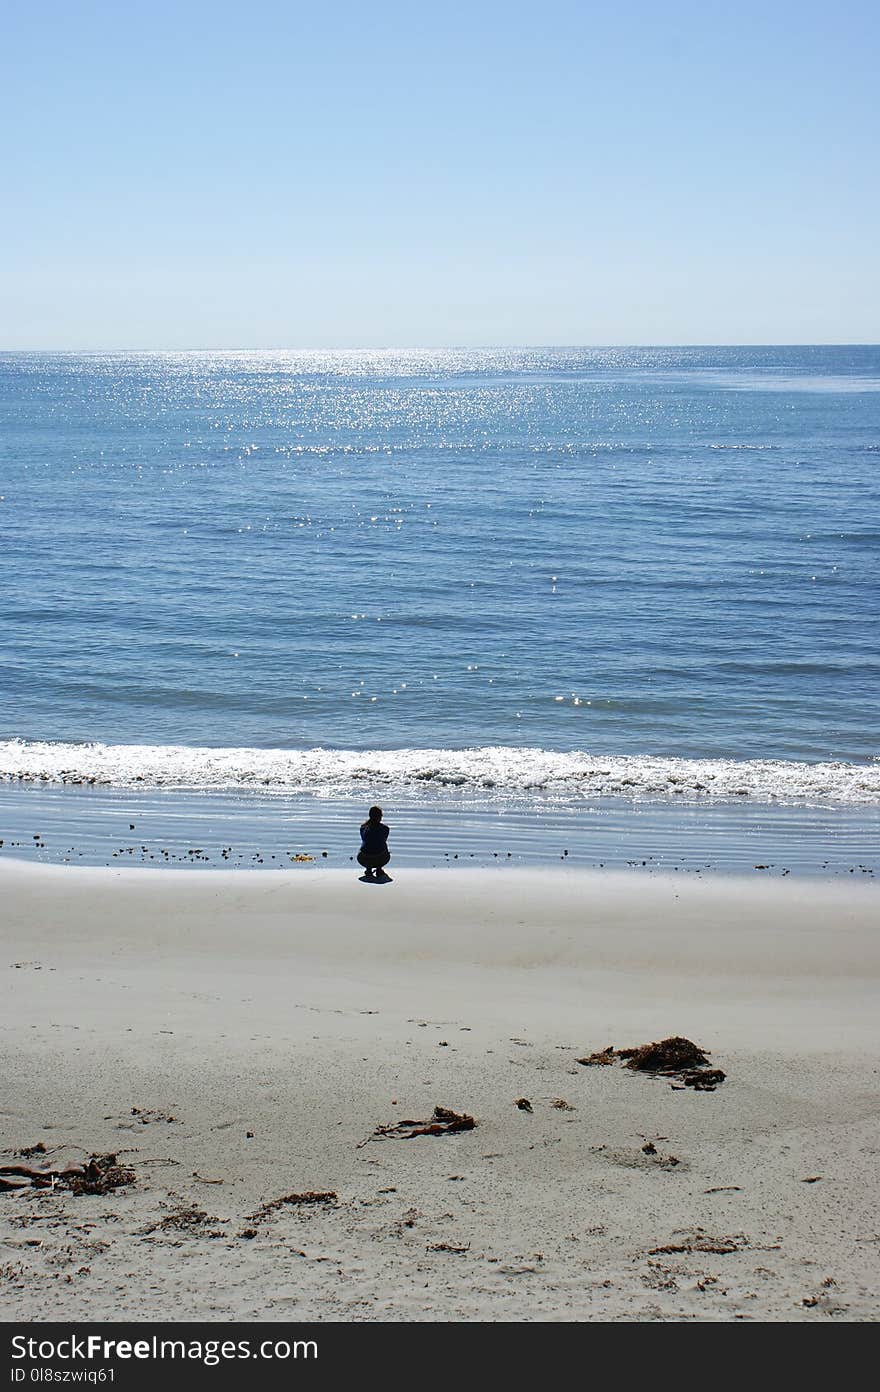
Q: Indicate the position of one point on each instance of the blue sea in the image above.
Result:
(536, 583)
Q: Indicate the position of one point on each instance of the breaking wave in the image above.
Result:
(498, 771)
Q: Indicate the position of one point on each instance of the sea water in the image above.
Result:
(524, 577)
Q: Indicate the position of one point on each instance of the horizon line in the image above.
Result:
(451, 347)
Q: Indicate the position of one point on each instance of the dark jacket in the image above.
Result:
(373, 836)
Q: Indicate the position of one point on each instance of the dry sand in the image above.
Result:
(307, 1008)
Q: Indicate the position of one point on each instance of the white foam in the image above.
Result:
(496, 771)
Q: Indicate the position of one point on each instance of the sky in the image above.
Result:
(282, 175)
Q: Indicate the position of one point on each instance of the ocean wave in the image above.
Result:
(497, 771)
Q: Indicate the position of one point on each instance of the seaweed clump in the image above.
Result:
(675, 1057)
(442, 1122)
(98, 1175)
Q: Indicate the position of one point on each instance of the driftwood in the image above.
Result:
(98, 1175)
(443, 1122)
(675, 1057)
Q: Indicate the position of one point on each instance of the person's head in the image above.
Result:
(375, 814)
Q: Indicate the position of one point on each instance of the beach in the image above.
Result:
(237, 1039)
(449, 447)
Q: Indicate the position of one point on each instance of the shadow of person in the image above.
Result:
(378, 878)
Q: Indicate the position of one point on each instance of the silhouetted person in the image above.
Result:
(374, 852)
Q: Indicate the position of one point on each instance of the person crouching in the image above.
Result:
(374, 852)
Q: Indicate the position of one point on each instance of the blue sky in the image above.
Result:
(280, 175)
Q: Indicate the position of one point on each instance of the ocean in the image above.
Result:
(476, 585)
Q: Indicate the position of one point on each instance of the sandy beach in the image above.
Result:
(237, 1038)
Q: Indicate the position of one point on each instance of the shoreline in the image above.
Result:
(278, 1019)
(229, 830)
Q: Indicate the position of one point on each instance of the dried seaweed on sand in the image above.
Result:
(184, 1220)
(718, 1246)
(706, 1081)
(98, 1175)
(443, 1122)
(601, 1056)
(675, 1057)
(310, 1196)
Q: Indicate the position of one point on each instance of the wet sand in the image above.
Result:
(166, 828)
(235, 1039)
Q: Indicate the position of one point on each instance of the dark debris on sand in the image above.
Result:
(28, 1151)
(193, 1220)
(443, 1122)
(675, 1057)
(99, 1175)
(718, 1246)
(310, 1196)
